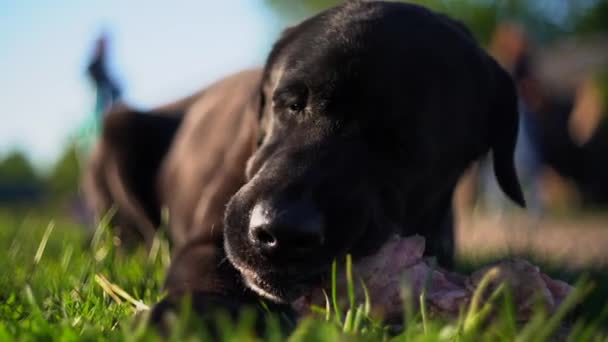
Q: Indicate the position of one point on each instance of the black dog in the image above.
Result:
(358, 127)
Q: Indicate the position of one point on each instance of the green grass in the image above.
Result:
(62, 282)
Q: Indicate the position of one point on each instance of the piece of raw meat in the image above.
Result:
(402, 258)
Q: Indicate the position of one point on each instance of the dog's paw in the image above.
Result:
(204, 308)
(208, 310)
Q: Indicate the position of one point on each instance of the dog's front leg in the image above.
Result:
(201, 272)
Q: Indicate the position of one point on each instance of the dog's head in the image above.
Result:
(369, 114)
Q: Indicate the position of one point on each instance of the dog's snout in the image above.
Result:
(289, 230)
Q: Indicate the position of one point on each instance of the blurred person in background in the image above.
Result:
(107, 93)
(107, 90)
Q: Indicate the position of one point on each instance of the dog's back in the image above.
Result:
(132, 170)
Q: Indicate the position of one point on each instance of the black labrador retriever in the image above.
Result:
(358, 127)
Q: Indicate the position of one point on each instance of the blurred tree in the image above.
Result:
(19, 182)
(595, 19)
(15, 168)
(64, 177)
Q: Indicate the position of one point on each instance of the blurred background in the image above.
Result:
(63, 62)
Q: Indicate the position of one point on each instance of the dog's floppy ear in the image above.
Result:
(504, 121)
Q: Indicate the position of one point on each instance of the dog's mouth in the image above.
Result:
(283, 286)
(288, 287)
(280, 290)
(280, 286)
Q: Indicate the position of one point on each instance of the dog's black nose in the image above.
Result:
(289, 230)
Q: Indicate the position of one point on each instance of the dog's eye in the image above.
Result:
(297, 106)
(293, 97)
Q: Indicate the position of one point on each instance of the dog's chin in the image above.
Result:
(273, 290)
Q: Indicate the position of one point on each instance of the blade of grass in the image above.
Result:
(348, 322)
(327, 306)
(67, 257)
(580, 290)
(427, 281)
(588, 330)
(532, 326)
(477, 318)
(154, 249)
(470, 319)
(368, 304)
(36, 309)
(117, 290)
(43, 242)
(408, 307)
(350, 284)
(334, 291)
(107, 288)
(359, 317)
(539, 328)
(103, 224)
(508, 311)
(423, 311)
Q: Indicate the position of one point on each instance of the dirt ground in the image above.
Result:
(572, 242)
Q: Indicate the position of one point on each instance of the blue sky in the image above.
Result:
(161, 50)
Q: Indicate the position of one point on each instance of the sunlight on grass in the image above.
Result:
(58, 284)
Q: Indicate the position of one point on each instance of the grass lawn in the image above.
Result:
(62, 282)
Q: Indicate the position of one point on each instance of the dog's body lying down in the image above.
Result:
(357, 128)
